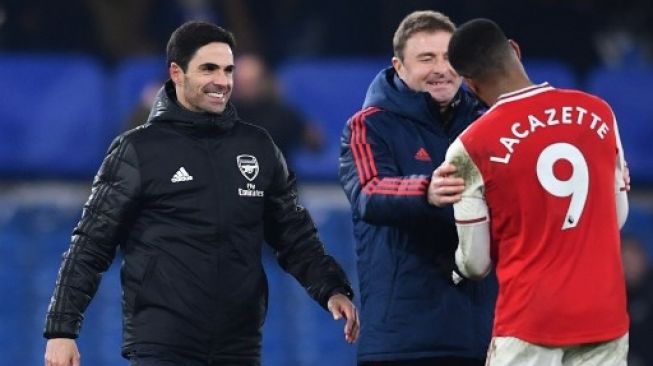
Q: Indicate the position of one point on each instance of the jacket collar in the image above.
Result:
(167, 108)
(390, 93)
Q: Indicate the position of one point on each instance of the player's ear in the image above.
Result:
(398, 65)
(476, 88)
(471, 84)
(515, 46)
(176, 73)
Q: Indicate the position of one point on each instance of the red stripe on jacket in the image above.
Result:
(366, 166)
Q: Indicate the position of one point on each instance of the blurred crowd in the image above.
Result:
(580, 32)
(639, 286)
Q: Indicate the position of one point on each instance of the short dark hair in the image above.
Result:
(419, 21)
(193, 35)
(479, 49)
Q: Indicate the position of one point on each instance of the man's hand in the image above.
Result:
(444, 188)
(61, 352)
(339, 305)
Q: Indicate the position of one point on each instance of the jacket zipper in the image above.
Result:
(210, 145)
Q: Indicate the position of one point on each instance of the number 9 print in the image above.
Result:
(576, 186)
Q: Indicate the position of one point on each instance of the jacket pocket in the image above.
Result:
(147, 275)
(393, 291)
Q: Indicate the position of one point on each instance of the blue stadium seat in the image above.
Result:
(628, 92)
(131, 76)
(328, 92)
(15, 312)
(640, 225)
(557, 73)
(32, 239)
(52, 116)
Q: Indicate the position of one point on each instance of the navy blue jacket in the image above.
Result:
(410, 307)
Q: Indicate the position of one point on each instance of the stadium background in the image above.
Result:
(73, 70)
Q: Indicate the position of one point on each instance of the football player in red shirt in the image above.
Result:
(544, 199)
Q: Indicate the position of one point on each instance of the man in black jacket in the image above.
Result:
(190, 197)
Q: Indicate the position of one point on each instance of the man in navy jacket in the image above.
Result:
(414, 312)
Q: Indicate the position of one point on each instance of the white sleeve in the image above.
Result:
(621, 196)
(472, 216)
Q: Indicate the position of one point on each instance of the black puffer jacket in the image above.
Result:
(190, 198)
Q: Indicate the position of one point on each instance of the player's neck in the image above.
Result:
(509, 84)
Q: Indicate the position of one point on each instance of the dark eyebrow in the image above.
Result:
(212, 66)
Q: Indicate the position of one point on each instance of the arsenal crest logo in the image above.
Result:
(248, 166)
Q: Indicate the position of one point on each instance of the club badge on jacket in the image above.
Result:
(249, 168)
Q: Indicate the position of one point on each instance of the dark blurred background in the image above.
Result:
(76, 73)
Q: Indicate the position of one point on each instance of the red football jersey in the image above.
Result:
(547, 160)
